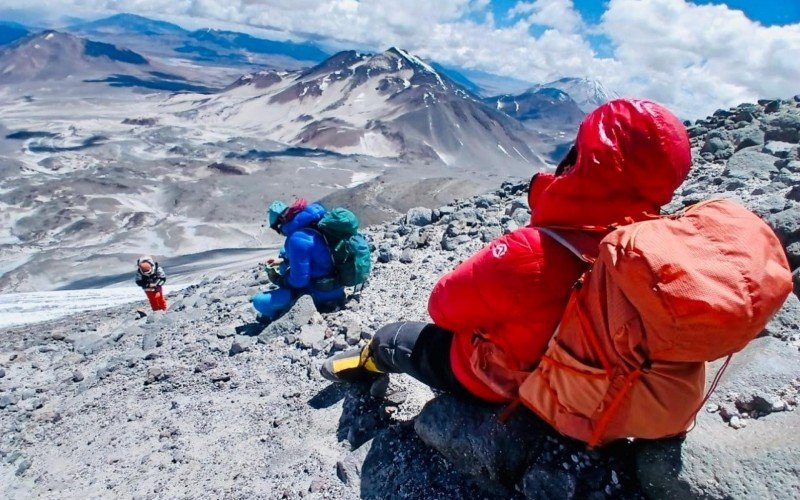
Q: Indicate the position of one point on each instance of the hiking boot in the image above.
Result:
(354, 366)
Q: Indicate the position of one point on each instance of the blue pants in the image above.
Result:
(273, 304)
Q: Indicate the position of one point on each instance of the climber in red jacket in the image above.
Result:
(494, 315)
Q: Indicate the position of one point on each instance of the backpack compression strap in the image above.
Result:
(582, 244)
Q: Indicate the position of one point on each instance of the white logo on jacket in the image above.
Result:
(499, 250)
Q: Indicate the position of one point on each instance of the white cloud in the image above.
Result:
(698, 58)
(558, 14)
(690, 57)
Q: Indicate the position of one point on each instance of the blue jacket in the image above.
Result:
(305, 248)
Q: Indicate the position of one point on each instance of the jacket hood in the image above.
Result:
(632, 156)
(307, 217)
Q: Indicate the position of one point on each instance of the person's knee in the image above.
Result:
(273, 302)
(387, 334)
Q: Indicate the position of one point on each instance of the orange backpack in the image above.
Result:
(660, 298)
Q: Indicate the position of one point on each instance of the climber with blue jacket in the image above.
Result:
(304, 266)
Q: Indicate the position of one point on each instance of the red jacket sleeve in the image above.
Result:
(490, 287)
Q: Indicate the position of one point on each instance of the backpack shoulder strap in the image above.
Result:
(584, 245)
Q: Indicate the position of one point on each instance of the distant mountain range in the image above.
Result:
(52, 55)
(391, 104)
(206, 46)
(545, 107)
(161, 39)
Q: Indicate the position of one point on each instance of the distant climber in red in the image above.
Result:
(151, 277)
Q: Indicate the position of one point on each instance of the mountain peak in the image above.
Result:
(586, 92)
(128, 23)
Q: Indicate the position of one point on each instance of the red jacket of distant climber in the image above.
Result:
(504, 303)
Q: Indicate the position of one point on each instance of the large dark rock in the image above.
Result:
(398, 465)
(746, 137)
(718, 147)
(748, 164)
(715, 460)
(522, 454)
(786, 224)
(471, 437)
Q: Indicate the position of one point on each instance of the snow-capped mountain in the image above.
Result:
(587, 93)
(391, 104)
(545, 107)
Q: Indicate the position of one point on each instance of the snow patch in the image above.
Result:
(503, 150)
(33, 307)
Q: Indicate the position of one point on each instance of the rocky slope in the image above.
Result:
(202, 402)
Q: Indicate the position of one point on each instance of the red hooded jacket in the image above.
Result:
(504, 303)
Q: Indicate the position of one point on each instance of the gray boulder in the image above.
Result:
(748, 164)
(487, 201)
(718, 147)
(419, 216)
(311, 336)
(715, 460)
(386, 252)
(302, 313)
(88, 344)
(786, 323)
(747, 137)
(780, 149)
(786, 224)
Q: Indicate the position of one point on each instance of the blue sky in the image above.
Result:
(766, 12)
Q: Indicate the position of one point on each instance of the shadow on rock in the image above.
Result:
(398, 465)
(523, 454)
(328, 396)
(362, 416)
(250, 329)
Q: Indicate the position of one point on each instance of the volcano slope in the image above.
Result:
(201, 402)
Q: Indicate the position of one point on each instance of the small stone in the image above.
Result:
(23, 467)
(77, 376)
(58, 336)
(2, 373)
(205, 365)
(225, 333)
(220, 377)
(50, 416)
(406, 257)
(155, 374)
(7, 400)
(241, 344)
(396, 397)
(737, 423)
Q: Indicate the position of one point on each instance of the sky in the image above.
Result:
(694, 56)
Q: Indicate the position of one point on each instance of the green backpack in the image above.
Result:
(350, 250)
